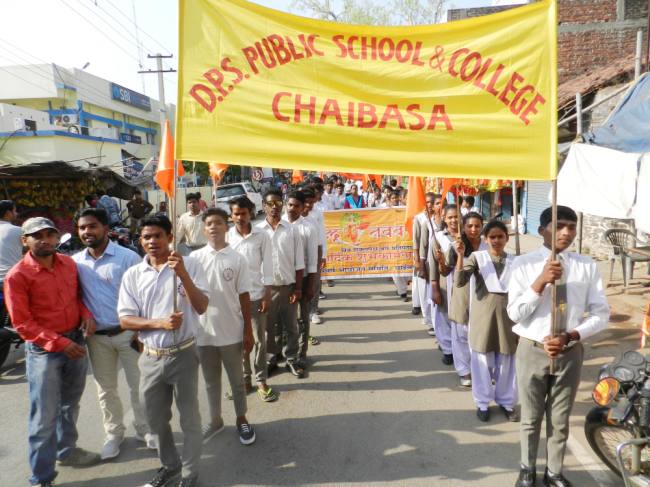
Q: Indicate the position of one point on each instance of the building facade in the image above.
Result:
(50, 113)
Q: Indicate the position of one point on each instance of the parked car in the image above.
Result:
(226, 192)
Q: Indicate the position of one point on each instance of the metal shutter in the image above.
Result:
(536, 201)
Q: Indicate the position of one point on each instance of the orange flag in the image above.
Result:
(217, 171)
(165, 172)
(297, 176)
(447, 184)
(415, 201)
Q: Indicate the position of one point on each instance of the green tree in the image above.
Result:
(372, 12)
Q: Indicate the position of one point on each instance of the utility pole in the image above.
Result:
(161, 85)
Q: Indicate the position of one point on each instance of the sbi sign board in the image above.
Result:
(130, 97)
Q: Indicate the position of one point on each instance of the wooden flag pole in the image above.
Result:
(172, 209)
(554, 330)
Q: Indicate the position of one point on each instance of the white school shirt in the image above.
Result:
(148, 293)
(256, 249)
(318, 219)
(587, 307)
(190, 230)
(339, 201)
(309, 235)
(327, 201)
(227, 273)
(287, 250)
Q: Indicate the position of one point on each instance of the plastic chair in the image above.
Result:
(621, 241)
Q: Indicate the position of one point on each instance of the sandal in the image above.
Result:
(267, 395)
(314, 341)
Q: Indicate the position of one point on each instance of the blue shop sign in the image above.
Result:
(130, 97)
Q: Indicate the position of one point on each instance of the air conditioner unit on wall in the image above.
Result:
(70, 119)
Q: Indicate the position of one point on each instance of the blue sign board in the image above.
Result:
(130, 97)
(132, 169)
(134, 139)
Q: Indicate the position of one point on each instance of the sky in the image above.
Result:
(102, 34)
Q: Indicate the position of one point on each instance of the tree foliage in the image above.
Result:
(373, 12)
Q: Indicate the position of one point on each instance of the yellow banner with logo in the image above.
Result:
(473, 98)
(367, 243)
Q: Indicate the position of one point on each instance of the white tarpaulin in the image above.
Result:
(600, 181)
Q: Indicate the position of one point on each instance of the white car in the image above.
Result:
(226, 192)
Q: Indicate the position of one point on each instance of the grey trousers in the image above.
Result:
(259, 349)
(161, 380)
(304, 324)
(544, 395)
(282, 318)
(231, 357)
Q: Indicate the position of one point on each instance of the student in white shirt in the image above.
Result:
(226, 331)
(190, 226)
(339, 197)
(313, 214)
(327, 198)
(169, 369)
(582, 312)
(255, 245)
(309, 234)
(286, 288)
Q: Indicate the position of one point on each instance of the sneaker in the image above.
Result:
(268, 395)
(246, 434)
(151, 441)
(296, 370)
(511, 414)
(483, 415)
(189, 482)
(315, 319)
(447, 359)
(163, 477)
(211, 430)
(416, 310)
(111, 447)
(466, 381)
(79, 457)
(322, 295)
(313, 340)
(431, 332)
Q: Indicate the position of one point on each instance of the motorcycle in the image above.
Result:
(8, 335)
(618, 428)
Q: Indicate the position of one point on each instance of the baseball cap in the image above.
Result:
(36, 224)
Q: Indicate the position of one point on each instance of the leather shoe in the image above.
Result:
(555, 480)
(483, 415)
(527, 477)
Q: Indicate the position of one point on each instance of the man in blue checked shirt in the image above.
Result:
(101, 266)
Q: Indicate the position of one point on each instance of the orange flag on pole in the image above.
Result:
(165, 172)
(447, 184)
(297, 176)
(217, 171)
(415, 201)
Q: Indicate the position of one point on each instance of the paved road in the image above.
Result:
(378, 408)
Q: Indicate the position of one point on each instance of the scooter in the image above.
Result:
(618, 429)
(8, 335)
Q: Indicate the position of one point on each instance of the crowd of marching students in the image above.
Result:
(244, 299)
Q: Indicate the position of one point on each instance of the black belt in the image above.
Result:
(111, 332)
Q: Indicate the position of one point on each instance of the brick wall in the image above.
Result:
(581, 52)
(583, 11)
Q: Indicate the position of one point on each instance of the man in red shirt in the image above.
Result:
(45, 306)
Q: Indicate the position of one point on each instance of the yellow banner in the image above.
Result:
(367, 243)
(474, 98)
